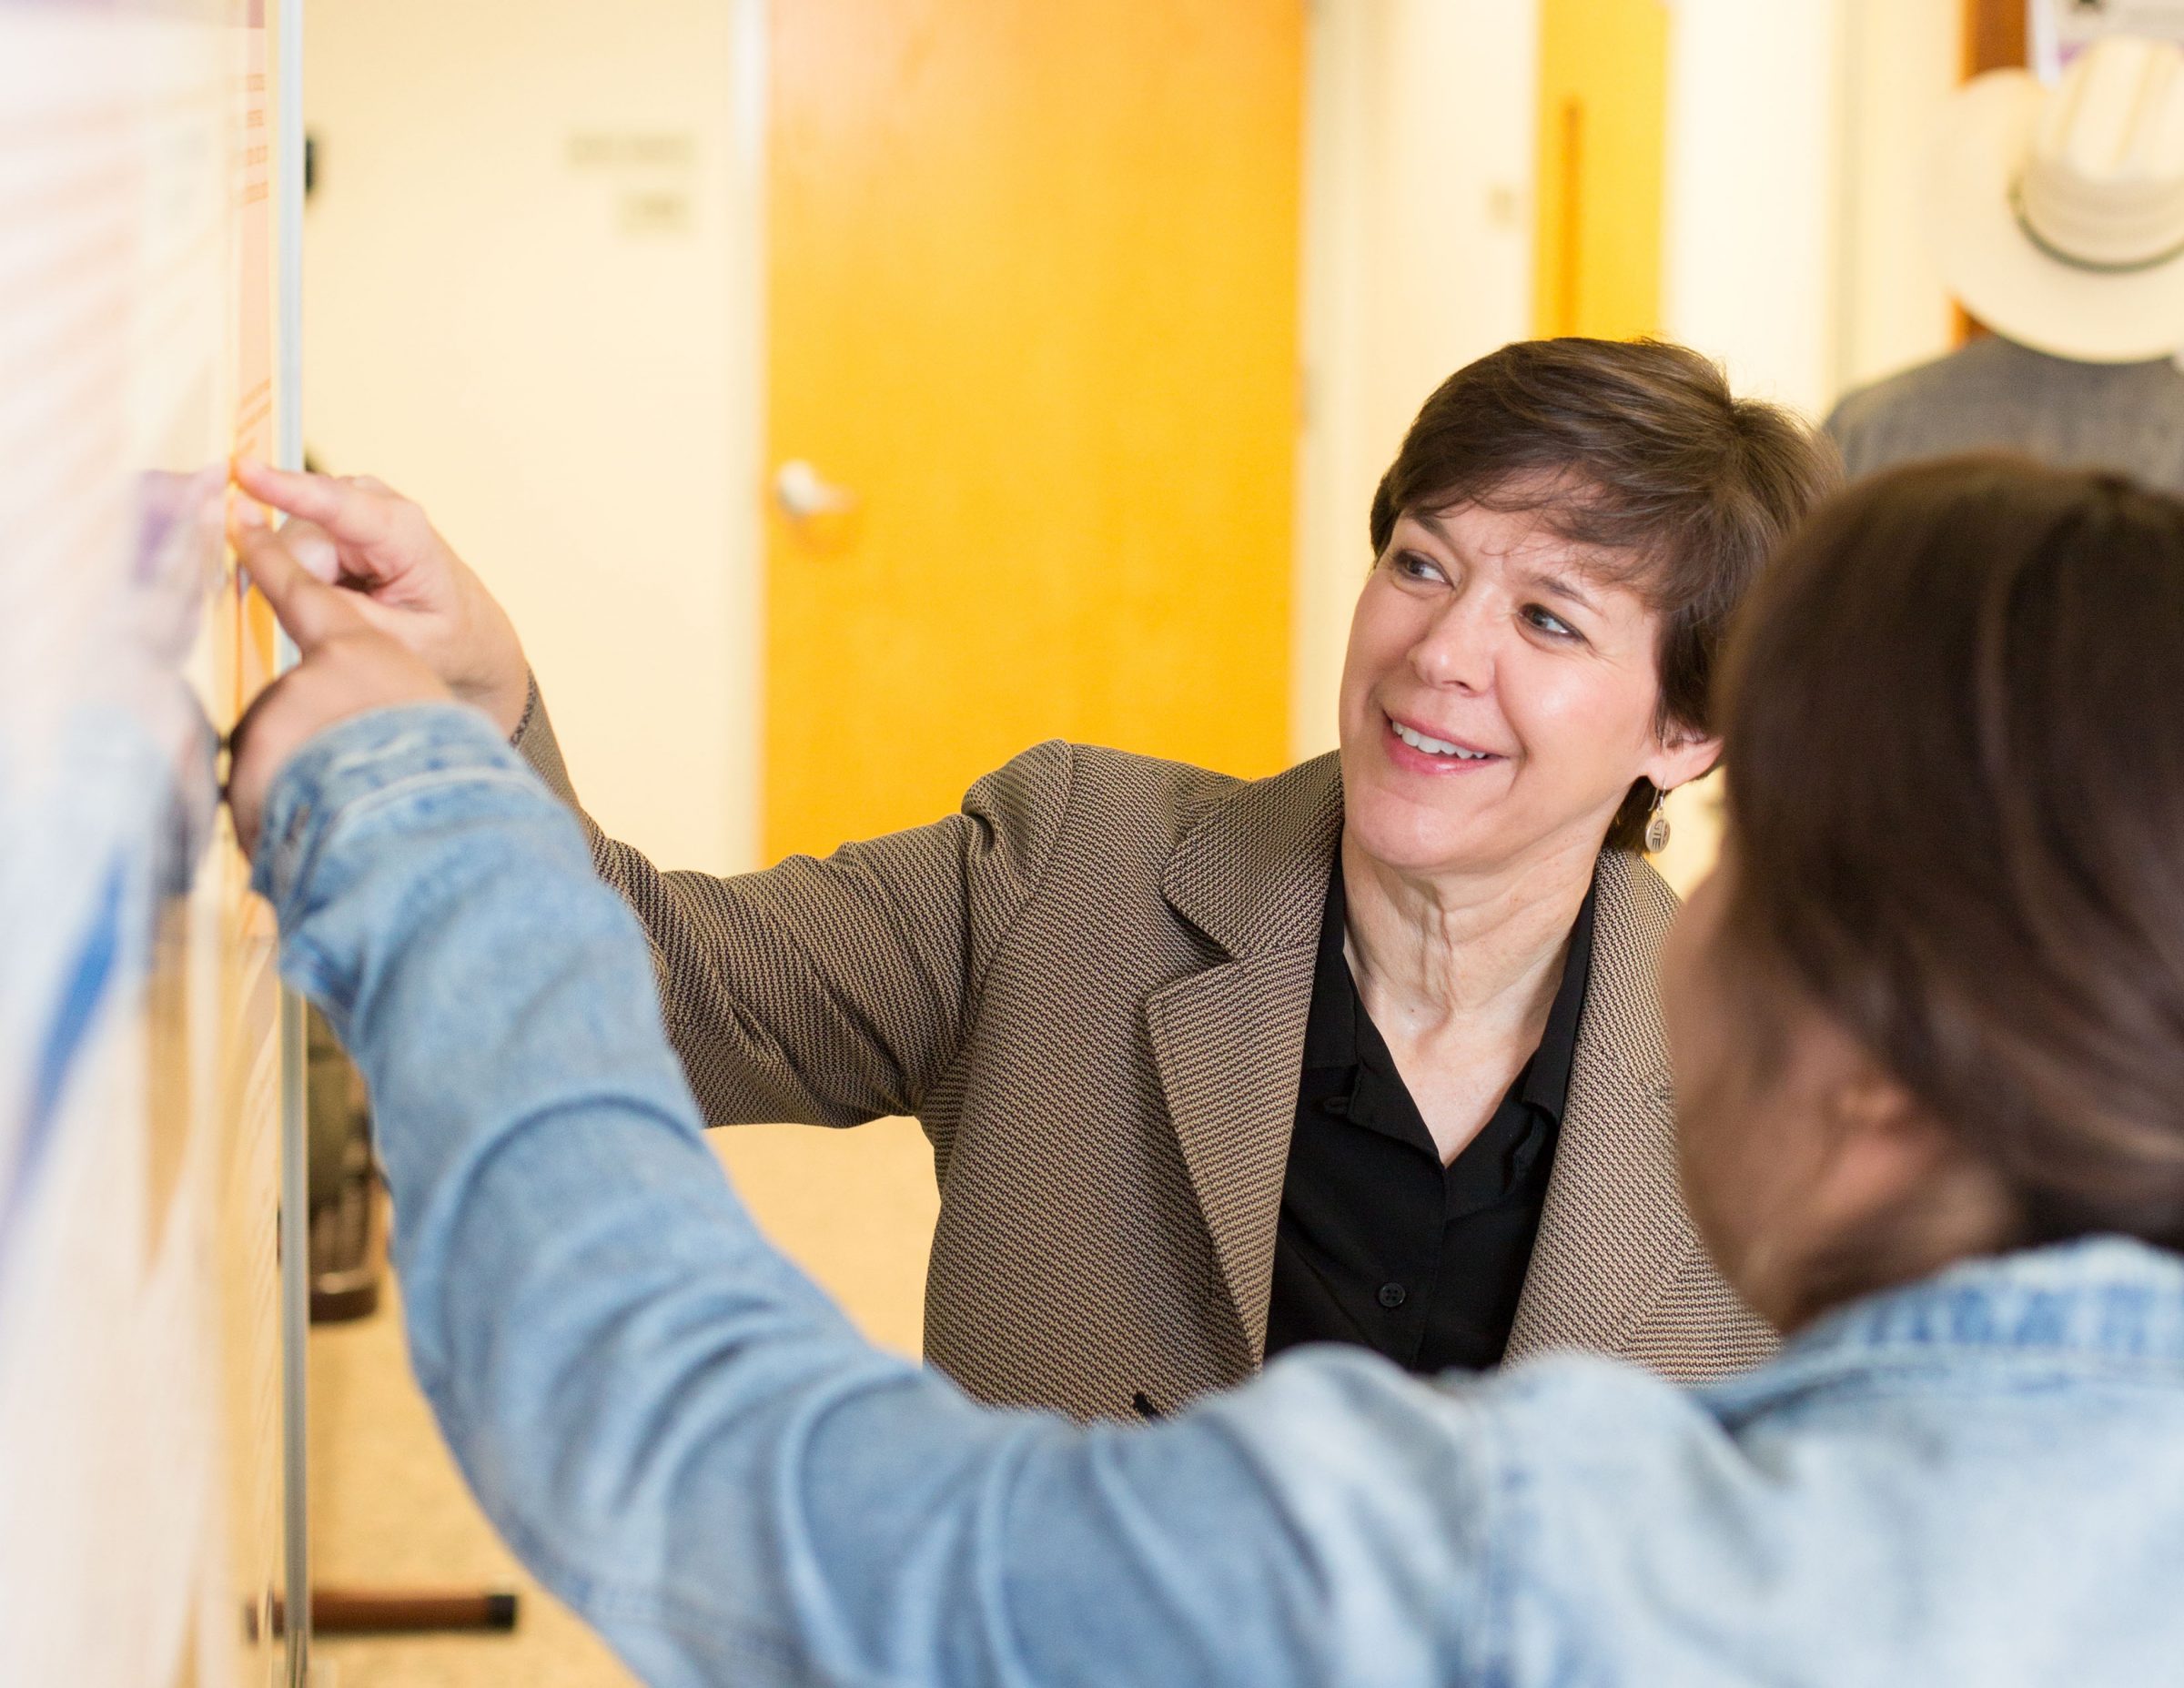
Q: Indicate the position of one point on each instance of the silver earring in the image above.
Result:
(1656, 825)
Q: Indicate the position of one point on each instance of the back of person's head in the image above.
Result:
(1637, 449)
(1954, 725)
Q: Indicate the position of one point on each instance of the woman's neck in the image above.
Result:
(1429, 951)
(1955, 1210)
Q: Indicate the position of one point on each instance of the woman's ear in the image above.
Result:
(1681, 756)
(1880, 1145)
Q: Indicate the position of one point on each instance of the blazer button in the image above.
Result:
(1393, 1295)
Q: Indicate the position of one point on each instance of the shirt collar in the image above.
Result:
(1546, 1082)
(2099, 1303)
(1330, 1030)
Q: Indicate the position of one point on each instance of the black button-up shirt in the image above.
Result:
(1379, 1244)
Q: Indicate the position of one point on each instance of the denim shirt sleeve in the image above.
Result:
(681, 1436)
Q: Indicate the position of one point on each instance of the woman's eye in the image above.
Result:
(1547, 621)
(1412, 566)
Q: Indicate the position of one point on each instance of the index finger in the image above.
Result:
(310, 610)
(353, 515)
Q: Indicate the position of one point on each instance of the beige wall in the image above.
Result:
(528, 303)
(1799, 139)
(1748, 253)
(1901, 60)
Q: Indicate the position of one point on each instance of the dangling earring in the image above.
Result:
(1656, 825)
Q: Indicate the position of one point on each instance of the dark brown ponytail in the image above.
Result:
(1954, 716)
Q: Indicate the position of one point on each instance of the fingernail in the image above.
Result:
(250, 464)
(247, 514)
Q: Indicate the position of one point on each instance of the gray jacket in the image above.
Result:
(1996, 395)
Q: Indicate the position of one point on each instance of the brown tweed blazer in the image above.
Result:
(1090, 987)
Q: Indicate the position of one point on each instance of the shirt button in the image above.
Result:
(1335, 1104)
(1392, 1294)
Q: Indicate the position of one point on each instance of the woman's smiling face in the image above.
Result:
(1500, 695)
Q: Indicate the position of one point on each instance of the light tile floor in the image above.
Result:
(388, 1507)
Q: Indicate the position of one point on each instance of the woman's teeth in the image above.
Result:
(1436, 747)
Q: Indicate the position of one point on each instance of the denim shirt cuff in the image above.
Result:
(355, 760)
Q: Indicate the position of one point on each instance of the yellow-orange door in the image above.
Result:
(1032, 392)
(1602, 117)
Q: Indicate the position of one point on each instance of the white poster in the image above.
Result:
(2061, 29)
(139, 1349)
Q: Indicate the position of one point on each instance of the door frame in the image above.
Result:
(743, 477)
(1993, 35)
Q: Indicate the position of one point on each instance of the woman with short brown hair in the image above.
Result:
(1368, 1052)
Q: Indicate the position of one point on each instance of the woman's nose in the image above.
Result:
(1458, 649)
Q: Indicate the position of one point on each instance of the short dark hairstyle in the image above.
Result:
(1957, 714)
(1638, 449)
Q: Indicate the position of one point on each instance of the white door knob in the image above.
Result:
(803, 493)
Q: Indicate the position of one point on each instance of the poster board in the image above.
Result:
(146, 1417)
(2058, 31)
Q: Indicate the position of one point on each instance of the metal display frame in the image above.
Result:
(295, 1137)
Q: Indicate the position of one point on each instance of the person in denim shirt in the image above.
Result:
(1928, 1024)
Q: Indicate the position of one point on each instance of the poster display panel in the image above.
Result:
(141, 1415)
(2058, 30)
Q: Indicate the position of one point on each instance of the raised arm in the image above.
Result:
(672, 1427)
(832, 991)
(829, 992)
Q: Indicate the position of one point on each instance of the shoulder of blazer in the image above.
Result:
(1614, 1235)
(1633, 910)
(1642, 898)
(1243, 861)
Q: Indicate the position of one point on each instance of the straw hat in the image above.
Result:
(2058, 214)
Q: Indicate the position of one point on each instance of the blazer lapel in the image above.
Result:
(1252, 877)
(1614, 1231)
